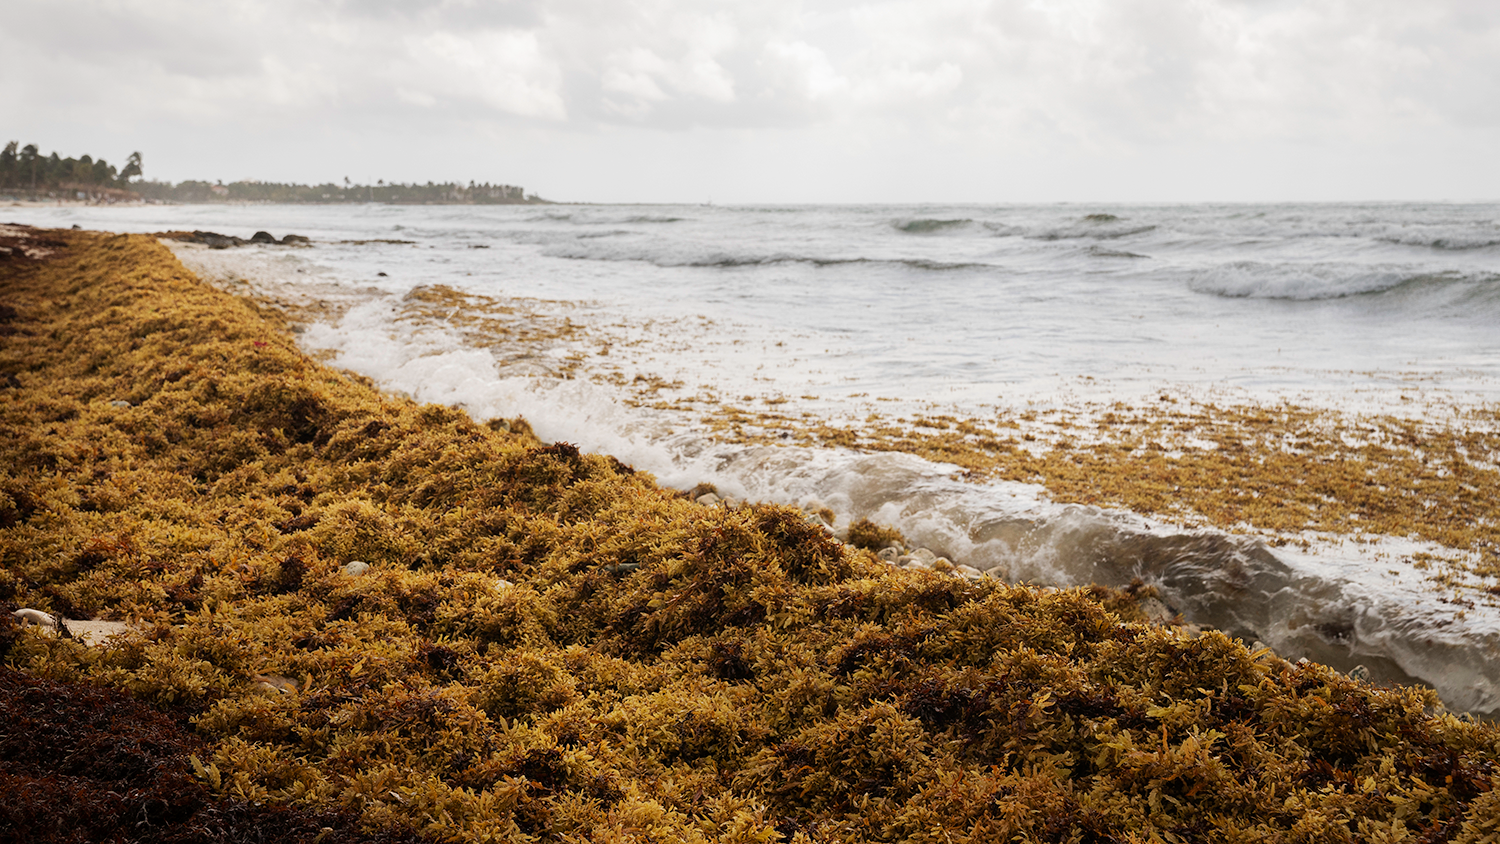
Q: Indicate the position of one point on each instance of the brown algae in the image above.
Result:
(546, 646)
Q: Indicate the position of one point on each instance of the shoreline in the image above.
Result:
(1360, 532)
(1101, 452)
(60, 202)
(545, 642)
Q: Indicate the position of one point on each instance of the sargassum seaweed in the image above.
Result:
(547, 646)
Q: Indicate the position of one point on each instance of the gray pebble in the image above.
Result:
(355, 568)
(1157, 612)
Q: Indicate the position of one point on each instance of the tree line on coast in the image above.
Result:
(24, 171)
(332, 192)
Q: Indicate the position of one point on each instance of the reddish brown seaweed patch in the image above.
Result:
(85, 764)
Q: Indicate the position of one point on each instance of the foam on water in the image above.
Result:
(951, 309)
(1255, 279)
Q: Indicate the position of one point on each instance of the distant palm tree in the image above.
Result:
(132, 167)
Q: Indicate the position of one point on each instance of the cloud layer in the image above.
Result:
(1118, 84)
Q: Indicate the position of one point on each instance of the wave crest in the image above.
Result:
(1309, 282)
(927, 226)
(1454, 242)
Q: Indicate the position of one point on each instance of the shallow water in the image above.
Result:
(843, 311)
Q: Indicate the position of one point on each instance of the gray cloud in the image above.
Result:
(1095, 81)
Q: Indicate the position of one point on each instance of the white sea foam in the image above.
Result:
(1262, 280)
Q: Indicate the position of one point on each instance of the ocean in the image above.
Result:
(814, 355)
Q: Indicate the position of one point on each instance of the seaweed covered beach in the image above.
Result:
(343, 615)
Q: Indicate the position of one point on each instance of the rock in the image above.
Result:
(622, 568)
(275, 683)
(968, 572)
(355, 568)
(912, 563)
(381, 275)
(27, 617)
(120, 403)
(262, 237)
(823, 512)
(1157, 612)
(502, 585)
(295, 240)
(924, 555)
(707, 499)
(96, 633)
(1360, 673)
(889, 553)
(214, 240)
(942, 564)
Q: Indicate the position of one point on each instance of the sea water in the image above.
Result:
(840, 312)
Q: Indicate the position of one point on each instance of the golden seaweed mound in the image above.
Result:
(543, 645)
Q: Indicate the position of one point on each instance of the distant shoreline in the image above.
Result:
(135, 203)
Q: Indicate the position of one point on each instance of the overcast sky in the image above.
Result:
(778, 100)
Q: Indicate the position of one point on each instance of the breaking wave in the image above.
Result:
(925, 226)
(719, 260)
(1452, 241)
(1264, 280)
(1097, 230)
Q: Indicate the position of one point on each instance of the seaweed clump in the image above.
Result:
(86, 764)
(873, 537)
(540, 644)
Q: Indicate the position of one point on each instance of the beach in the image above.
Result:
(1282, 417)
(442, 624)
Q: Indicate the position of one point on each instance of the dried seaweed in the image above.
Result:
(544, 645)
